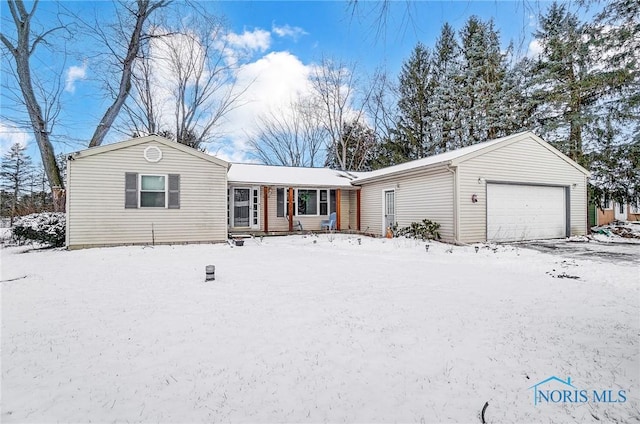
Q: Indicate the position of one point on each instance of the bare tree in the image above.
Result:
(42, 109)
(143, 115)
(41, 99)
(185, 83)
(381, 105)
(334, 85)
(289, 136)
(135, 37)
(361, 147)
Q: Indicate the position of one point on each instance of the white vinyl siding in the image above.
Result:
(418, 196)
(524, 161)
(353, 209)
(96, 199)
(346, 208)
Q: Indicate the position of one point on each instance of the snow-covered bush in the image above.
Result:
(46, 227)
(425, 230)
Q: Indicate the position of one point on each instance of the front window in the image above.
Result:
(307, 202)
(152, 191)
(324, 205)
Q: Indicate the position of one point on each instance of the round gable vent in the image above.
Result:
(153, 154)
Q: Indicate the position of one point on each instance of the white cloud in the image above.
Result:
(288, 31)
(272, 83)
(10, 135)
(75, 73)
(257, 40)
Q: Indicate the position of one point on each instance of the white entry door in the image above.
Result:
(389, 210)
(525, 212)
(620, 211)
(241, 203)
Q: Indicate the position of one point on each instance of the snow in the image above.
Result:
(628, 233)
(328, 328)
(287, 176)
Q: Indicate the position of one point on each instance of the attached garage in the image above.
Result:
(513, 188)
(526, 212)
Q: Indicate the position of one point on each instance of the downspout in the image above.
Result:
(456, 217)
(67, 235)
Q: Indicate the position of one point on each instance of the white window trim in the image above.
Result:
(232, 200)
(609, 205)
(166, 190)
(258, 201)
(318, 190)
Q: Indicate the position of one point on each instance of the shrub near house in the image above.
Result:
(47, 228)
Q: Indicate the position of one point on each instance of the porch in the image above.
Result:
(277, 210)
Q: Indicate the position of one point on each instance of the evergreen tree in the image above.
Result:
(444, 105)
(482, 83)
(616, 40)
(615, 169)
(412, 136)
(560, 81)
(515, 107)
(573, 92)
(615, 161)
(15, 171)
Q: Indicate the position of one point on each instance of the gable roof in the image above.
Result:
(458, 156)
(150, 138)
(246, 173)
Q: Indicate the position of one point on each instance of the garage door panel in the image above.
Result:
(525, 212)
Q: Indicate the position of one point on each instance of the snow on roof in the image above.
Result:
(436, 159)
(325, 177)
(288, 176)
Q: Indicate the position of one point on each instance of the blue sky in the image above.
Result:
(279, 42)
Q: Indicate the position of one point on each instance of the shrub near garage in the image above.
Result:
(47, 228)
(425, 230)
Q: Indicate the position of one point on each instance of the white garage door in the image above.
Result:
(525, 212)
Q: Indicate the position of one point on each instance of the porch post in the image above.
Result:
(290, 206)
(358, 210)
(265, 205)
(338, 210)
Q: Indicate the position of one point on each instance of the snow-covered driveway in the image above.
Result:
(314, 329)
(620, 251)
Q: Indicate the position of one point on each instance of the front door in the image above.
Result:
(620, 211)
(389, 210)
(241, 207)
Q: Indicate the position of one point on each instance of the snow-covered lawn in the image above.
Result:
(314, 329)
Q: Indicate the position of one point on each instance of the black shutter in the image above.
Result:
(130, 190)
(174, 191)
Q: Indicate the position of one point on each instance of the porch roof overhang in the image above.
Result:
(285, 176)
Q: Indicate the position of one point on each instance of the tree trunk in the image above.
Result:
(21, 53)
(145, 8)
